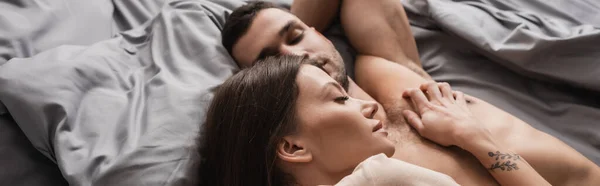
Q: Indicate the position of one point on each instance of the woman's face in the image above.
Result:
(337, 130)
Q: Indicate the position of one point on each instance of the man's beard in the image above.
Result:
(342, 78)
(333, 65)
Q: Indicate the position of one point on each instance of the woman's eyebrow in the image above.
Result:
(330, 84)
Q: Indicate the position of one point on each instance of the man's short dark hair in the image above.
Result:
(239, 22)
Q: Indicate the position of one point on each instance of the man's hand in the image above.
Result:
(443, 116)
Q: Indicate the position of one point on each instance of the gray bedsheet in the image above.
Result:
(28, 27)
(125, 110)
(20, 162)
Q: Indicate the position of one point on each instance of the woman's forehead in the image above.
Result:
(312, 78)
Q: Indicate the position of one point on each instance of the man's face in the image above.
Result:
(275, 31)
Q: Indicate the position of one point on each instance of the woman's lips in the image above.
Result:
(377, 127)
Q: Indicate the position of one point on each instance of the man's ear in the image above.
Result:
(293, 150)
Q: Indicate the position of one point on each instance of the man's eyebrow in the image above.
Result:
(286, 28)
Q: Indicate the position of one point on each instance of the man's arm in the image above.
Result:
(380, 28)
(316, 13)
(374, 27)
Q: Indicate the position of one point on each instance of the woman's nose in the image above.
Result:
(369, 108)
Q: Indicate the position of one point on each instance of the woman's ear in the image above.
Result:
(292, 150)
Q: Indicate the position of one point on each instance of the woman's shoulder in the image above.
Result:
(382, 170)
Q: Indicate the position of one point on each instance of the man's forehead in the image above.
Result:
(272, 15)
(263, 29)
(268, 22)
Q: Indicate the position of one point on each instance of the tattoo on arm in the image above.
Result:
(503, 161)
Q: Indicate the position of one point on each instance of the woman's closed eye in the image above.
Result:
(342, 99)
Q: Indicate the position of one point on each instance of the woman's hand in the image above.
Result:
(443, 116)
(445, 119)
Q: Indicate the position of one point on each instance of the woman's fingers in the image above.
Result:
(460, 98)
(446, 91)
(433, 91)
(418, 98)
(414, 120)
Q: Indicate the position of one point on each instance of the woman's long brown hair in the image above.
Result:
(249, 115)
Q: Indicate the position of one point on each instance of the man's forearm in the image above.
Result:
(316, 13)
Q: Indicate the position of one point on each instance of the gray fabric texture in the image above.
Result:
(125, 109)
(545, 40)
(28, 27)
(20, 163)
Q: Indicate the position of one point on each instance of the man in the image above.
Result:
(387, 54)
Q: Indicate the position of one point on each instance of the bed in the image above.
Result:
(113, 92)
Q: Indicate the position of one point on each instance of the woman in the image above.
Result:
(284, 122)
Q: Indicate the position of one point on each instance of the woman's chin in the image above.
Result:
(388, 147)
